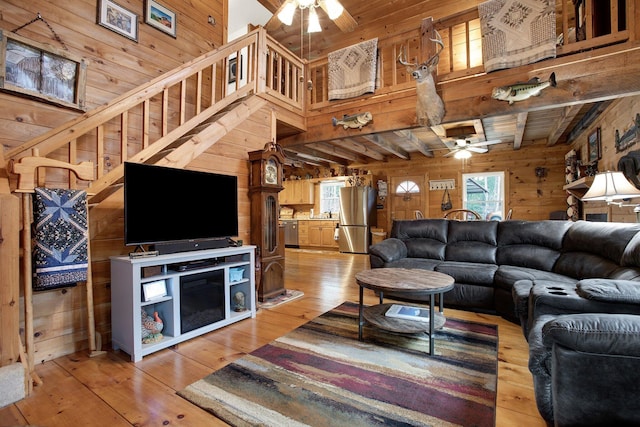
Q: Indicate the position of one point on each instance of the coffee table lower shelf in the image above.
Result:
(375, 315)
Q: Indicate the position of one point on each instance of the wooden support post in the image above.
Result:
(95, 343)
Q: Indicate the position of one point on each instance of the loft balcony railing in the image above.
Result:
(589, 24)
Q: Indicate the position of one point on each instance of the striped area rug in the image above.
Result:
(321, 375)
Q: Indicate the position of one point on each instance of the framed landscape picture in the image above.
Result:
(594, 146)
(160, 17)
(118, 19)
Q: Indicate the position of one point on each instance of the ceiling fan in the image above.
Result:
(333, 8)
(462, 148)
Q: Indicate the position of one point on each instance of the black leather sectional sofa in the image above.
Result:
(573, 286)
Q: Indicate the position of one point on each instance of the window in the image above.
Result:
(484, 193)
(330, 196)
(407, 188)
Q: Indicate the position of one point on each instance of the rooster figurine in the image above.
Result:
(151, 327)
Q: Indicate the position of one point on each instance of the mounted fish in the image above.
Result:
(429, 107)
(521, 91)
(354, 121)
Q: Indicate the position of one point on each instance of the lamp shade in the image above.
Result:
(609, 186)
(286, 14)
(314, 22)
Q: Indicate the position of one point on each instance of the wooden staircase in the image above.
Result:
(174, 118)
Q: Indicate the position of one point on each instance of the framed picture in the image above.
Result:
(118, 19)
(594, 146)
(235, 69)
(41, 71)
(160, 17)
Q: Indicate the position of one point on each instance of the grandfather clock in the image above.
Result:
(265, 183)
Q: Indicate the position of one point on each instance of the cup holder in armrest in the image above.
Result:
(555, 288)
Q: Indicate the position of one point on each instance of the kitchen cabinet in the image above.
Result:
(303, 233)
(297, 192)
(321, 234)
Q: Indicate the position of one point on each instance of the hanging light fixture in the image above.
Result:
(462, 154)
(333, 8)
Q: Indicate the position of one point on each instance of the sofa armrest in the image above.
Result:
(611, 334)
(610, 290)
(389, 250)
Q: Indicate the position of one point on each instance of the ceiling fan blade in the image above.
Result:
(345, 21)
(478, 149)
(450, 153)
(483, 143)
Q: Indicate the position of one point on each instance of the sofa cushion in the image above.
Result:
(606, 239)
(468, 272)
(584, 265)
(424, 238)
(631, 255)
(533, 244)
(472, 241)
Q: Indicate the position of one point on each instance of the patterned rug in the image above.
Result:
(517, 32)
(321, 375)
(289, 295)
(352, 70)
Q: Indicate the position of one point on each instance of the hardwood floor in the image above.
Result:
(109, 390)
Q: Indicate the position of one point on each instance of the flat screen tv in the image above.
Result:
(169, 205)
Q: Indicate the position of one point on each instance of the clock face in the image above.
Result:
(271, 172)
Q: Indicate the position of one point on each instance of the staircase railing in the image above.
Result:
(143, 122)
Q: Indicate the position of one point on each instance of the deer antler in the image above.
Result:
(435, 58)
(429, 62)
(404, 61)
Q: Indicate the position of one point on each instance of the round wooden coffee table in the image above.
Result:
(398, 281)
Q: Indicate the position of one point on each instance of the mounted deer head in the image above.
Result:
(429, 107)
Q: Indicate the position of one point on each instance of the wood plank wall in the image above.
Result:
(116, 65)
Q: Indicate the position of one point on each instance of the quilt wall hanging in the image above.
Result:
(60, 251)
(517, 32)
(352, 70)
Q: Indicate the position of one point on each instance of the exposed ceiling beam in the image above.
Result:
(566, 117)
(317, 155)
(351, 144)
(415, 141)
(271, 5)
(330, 148)
(383, 143)
(296, 159)
(521, 123)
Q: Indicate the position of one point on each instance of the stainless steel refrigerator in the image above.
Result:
(356, 215)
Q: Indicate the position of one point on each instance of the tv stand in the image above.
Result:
(229, 270)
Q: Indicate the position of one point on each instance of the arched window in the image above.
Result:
(407, 187)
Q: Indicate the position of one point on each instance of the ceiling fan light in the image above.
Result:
(462, 154)
(314, 22)
(286, 14)
(334, 8)
(306, 3)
